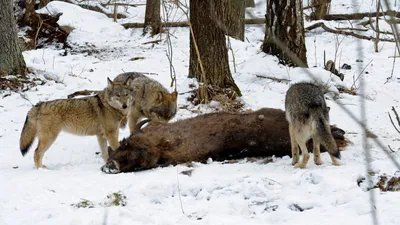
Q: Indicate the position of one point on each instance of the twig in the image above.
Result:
(394, 62)
(274, 78)
(390, 148)
(353, 85)
(179, 191)
(152, 42)
(38, 30)
(397, 118)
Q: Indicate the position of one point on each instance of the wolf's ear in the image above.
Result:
(174, 95)
(109, 82)
(160, 96)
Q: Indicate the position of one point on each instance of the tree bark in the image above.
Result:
(43, 3)
(30, 9)
(233, 14)
(320, 9)
(250, 3)
(11, 58)
(152, 18)
(284, 33)
(208, 40)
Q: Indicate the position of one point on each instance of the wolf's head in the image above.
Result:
(163, 107)
(119, 96)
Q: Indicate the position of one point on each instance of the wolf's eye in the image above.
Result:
(118, 95)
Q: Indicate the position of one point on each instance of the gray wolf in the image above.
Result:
(151, 99)
(308, 117)
(98, 115)
(220, 136)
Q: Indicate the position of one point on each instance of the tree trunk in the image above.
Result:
(152, 18)
(284, 33)
(43, 3)
(233, 11)
(320, 9)
(250, 3)
(11, 58)
(208, 41)
(30, 8)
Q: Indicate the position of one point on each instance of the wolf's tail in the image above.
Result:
(28, 133)
(324, 131)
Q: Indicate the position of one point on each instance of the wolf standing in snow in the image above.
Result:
(308, 117)
(98, 115)
(151, 99)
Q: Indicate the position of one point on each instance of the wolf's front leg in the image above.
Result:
(133, 117)
(112, 138)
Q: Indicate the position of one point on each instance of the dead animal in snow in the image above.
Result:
(220, 136)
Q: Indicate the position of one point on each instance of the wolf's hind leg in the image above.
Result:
(45, 141)
(316, 150)
(294, 146)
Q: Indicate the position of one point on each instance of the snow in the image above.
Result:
(215, 193)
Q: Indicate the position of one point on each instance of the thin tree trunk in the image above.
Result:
(284, 33)
(320, 9)
(233, 12)
(152, 18)
(209, 38)
(30, 8)
(43, 3)
(11, 58)
(250, 3)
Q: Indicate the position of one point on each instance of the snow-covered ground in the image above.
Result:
(214, 193)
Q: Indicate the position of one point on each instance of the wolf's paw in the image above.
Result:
(336, 163)
(110, 168)
(318, 161)
(295, 161)
(300, 165)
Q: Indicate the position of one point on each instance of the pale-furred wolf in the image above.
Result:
(98, 115)
(308, 117)
(151, 99)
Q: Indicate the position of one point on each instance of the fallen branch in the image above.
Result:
(152, 42)
(323, 26)
(274, 78)
(121, 4)
(100, 9)
(185, 23)
(351, 28)
(359, 16)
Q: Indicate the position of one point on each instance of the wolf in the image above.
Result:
(98, 115)
(308, 117)
(220, 136)
(151, 99)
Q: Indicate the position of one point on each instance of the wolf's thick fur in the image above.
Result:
(308, 117)
(151, 99)
(98, 115)
(219, 135)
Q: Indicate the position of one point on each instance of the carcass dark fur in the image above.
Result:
(219, 136)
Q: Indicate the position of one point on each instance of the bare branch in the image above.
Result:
(323, 26)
